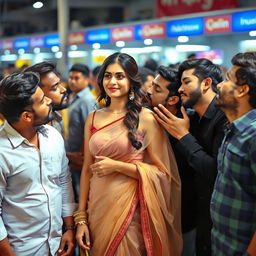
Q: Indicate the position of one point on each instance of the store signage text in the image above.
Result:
(76, 38)
(122, 33)
(52, 40)
(217, 24)
(244, 21)
(98, 36)
(153, 30)
(186, 27)
(37, 41)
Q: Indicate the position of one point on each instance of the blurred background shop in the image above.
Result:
(167, 31)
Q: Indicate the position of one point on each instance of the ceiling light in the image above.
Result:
(120, 43)
(252, 33)
(36, 50)
(192, 48)
(55, 48)
(73, 47)
(96, 46)
(148, 41)
(38, 5)
(183, 39)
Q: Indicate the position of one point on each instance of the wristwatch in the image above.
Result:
(70, 227)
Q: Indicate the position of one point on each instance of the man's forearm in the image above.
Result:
(5, 248)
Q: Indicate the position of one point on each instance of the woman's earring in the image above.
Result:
(131, 95)
(106, 98)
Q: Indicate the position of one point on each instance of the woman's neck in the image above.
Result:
(117, 106)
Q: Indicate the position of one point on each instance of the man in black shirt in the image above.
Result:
(199, 135)
(165, 91)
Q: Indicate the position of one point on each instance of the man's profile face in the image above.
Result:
(159, 91)
(52, 88)
(42, 108)
(227, 91)
(190, 89)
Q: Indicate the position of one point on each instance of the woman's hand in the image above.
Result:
(82, 236)
(104, 166)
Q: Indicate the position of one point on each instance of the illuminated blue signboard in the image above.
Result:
(101, 36)
(51, 40)
(244, 21)
(186, 27)
(21, 43)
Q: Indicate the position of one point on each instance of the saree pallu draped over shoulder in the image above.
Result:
(129, 216)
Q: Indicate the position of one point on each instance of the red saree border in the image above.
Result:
(120, 234)
(145, 222)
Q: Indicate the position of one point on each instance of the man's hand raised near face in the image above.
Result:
(177, 127)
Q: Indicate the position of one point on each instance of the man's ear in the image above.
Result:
(173, 100)
(243, 90)
(26, 116)
(207, 83)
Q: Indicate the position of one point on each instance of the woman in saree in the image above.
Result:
(130, 188)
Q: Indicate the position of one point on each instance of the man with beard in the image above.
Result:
(50, 84)
(35, 184)
(233, 205)
(165, 92)
(199, 135)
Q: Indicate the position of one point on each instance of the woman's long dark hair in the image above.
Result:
(134, 106)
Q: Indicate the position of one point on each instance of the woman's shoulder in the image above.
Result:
(147, 118)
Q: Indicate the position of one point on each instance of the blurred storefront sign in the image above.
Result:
(185, 27)
(101, 36)
(122, 33)
(217, 24)
(7, 45)
(36, 41)
(176, 7)
(76, 38)
(51, 40)
(244, 21)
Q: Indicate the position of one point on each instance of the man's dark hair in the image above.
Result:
(16, 91)
(151, 64)
(81, 68)
(96, 71)
(171, 75)
(204, 68)
(43, 68)
(246, 74)
(144, 73)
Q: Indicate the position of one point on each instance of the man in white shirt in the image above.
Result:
(35, 185)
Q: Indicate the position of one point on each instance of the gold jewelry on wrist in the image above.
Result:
(80, 217)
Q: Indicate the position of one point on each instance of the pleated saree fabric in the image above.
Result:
(129, 216)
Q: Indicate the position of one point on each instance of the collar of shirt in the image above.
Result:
(14, 137)
(57, 116)
(211, 110)
(244, 121)
(83, 92)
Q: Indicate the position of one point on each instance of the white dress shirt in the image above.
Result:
(35, 191)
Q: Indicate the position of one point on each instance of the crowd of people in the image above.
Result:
(153, 160)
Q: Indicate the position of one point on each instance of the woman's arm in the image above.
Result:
(82, 230)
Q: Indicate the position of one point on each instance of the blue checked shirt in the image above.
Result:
(233, 204)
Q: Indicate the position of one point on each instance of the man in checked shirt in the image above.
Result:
(233, 204)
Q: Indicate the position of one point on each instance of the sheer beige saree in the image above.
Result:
(129, 216)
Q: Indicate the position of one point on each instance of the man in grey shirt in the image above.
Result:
(50, 83)
(35, 183)
(83, 103)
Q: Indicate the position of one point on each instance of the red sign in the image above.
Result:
(122, 33)
(153, 30)
(7, 44)
(177, 7)
(76, 38)
(217, 24)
